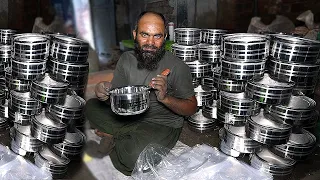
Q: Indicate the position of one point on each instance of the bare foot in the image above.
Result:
(102, 134)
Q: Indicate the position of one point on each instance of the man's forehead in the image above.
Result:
(151, 18)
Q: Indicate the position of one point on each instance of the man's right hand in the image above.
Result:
(102, 90)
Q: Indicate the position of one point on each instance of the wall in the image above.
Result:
(4, 14)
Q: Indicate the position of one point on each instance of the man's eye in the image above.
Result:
(158, 36)
(144, 35)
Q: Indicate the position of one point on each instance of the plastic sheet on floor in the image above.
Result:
(15, 167)
(202, 162)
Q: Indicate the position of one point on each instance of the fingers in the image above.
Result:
(159, 82)
(102, 90)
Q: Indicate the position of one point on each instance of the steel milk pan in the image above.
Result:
(298, 108)
(227, 118)
(245, 47)
(130, 100)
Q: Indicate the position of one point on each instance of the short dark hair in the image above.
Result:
(151, 12)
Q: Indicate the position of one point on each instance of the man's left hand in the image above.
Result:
(160, 84)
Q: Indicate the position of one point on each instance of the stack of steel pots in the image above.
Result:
(41, 103)
(57, 165)
(269, 162)
(30, 52)
(6, 36)
(244, 56)
(5, 55)
(68, 62)
(294, 59)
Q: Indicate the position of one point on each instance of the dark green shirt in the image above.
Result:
(179, 85)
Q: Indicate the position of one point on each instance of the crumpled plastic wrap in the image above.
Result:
(15, 167)
(202, 162)
(281, 24)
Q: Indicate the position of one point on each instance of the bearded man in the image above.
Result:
(173, 97)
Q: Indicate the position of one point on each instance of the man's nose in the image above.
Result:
(151, 40)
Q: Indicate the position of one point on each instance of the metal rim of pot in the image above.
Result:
(70, 41)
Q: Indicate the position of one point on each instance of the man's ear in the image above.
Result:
(134, 33)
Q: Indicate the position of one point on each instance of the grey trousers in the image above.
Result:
(131, 134)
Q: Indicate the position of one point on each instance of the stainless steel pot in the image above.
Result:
(130, 100)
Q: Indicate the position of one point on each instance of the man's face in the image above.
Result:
(149, 41)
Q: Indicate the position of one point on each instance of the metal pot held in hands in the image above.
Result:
(130, 100)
